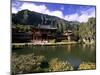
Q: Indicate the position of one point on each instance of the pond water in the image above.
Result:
(75, 54)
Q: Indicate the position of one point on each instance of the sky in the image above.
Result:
(70, 12)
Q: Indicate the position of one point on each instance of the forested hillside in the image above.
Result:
(82, 30)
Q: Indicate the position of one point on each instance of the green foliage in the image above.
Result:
(23, 28)
(61, 25)
(30, 63)
(87, 66)
(26, 17)
(34, 64)
(64, 41)
(58, 65)
(52, 41)
(87, 30)
(26, 63)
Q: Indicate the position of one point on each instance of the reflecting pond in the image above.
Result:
(75, 53)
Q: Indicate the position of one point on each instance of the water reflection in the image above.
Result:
(74, 61)
(75, 53)
(69, 48)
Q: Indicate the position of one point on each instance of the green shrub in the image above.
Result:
(34, 64)
(57, 65)
(87, 66)
(52, 41)
(64, 40)
(26, 63)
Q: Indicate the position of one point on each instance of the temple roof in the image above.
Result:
(46, 27)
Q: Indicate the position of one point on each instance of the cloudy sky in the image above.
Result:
(68, 12)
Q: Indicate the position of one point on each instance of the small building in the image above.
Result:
(43, 32)
(69, 35)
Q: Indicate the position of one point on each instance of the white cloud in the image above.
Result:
(93, 14)
(43, 9)
(14, 10)
(85, 15)
(72, 17)
(33, 7)
(55, 13)
(83, 18)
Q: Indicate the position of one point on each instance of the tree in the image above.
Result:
(87, 30)
(23, 28)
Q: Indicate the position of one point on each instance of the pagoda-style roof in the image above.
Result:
(47, 27)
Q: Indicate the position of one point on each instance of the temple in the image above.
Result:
(41, 33)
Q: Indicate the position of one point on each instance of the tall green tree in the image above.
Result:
(87, 30)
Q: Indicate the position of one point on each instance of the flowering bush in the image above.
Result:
(87, 66)
(26, 63)
(57, 65)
